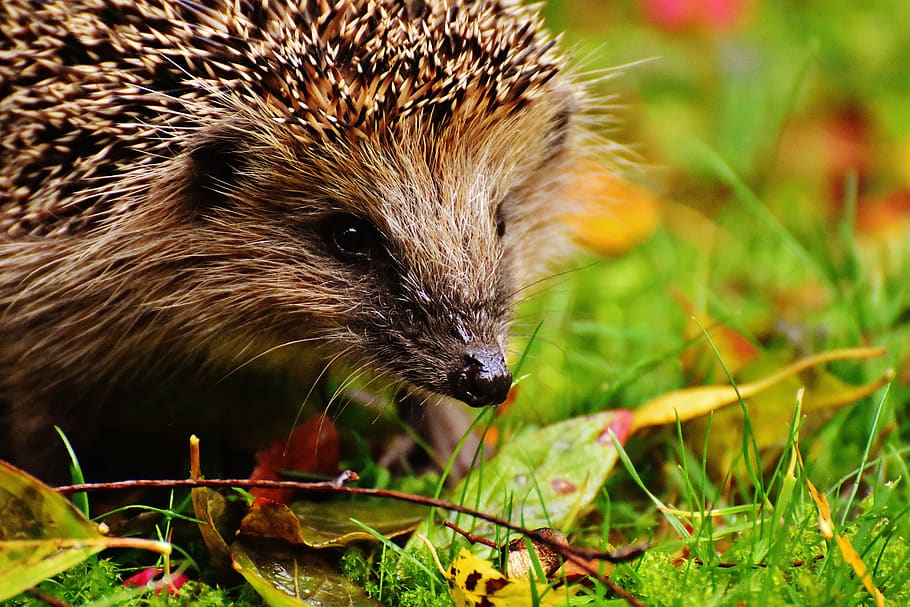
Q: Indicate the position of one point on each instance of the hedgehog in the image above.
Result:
(192, 187)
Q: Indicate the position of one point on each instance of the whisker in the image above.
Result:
(520, 291)
(250, 361)
(309, 393)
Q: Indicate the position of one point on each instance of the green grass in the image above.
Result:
(727, 128)
(786, 266)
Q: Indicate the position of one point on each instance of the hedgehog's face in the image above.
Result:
(407, 258)
(437, 238)
(417, 314)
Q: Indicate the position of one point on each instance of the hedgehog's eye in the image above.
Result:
(500, 222)
(352, 238)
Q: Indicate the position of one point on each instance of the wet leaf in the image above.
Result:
(543, 478)
(323, 525)
(285, 577)
(42, 533)
(330, 524)
(272, 520)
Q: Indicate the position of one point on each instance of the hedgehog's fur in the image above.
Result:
(170, 170)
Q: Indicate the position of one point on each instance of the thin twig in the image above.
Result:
(579, 556)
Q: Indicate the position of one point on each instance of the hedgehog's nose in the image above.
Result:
(483, 379)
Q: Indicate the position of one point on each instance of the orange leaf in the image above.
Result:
(884, 218)
(615, 214)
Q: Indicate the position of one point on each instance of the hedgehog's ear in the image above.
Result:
(215, 166)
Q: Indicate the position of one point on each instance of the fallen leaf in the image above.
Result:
(824, 394)
(311, 447)
(42, 533)
(219, 520)
(543, 478)
(884, 218)
(474, 581)
(521, 560)
(711, 15)
(691, 403)
(154, 578)
(341, 523)
(826, 528)
(272, 520)
(700, 361)
(330, 524)
(285, 577)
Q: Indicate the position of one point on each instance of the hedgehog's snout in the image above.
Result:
(483, 377)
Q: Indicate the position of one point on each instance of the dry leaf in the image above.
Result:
(826, 528)
(691, 403)
(520, 562)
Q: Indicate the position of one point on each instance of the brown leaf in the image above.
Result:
(520, 562)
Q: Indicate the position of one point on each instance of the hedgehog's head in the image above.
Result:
(393, 187)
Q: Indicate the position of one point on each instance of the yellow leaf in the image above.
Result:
(474, 582)
(824, 394)
(695, 402)
(826, 528)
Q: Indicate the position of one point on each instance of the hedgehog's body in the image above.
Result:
(186, 182)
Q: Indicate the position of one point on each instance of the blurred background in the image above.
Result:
(765, 191)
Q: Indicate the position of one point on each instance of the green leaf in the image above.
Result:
(42, 533)
(324, 525)
(285, 577)
(543, 478)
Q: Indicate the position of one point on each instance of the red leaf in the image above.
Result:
(312, 447)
